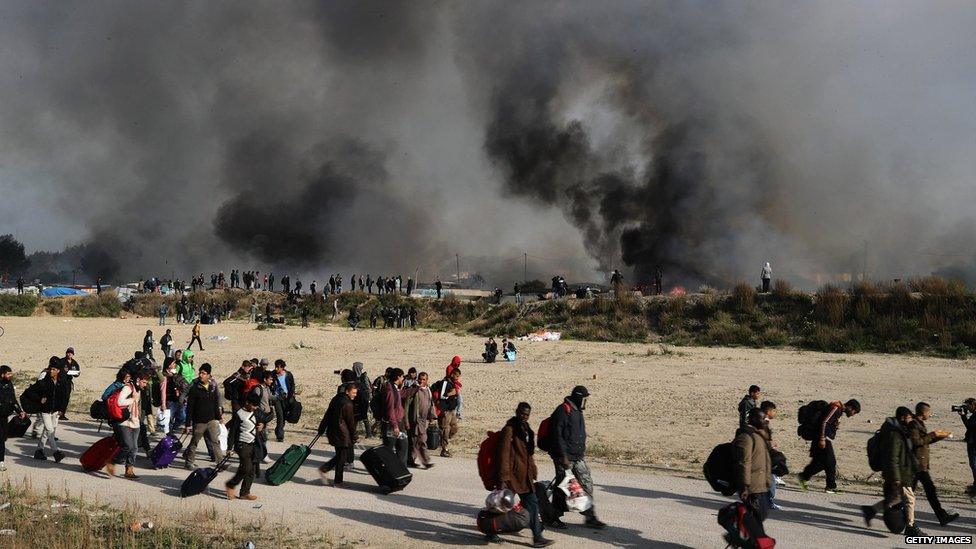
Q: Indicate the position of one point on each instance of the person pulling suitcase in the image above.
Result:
(248, 431)
(339, 426)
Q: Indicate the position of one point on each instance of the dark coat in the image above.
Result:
(753, 466)
(202, 403)
(8, 400)
(921, 439)
(339, 422)
(569, 432)
(899, 457)
(516, 466)
(45, 388)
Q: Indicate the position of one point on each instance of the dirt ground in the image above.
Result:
(663, 407)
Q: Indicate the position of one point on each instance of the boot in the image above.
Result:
(110, 469)
(230, 492)
(130, 472)
(595, 523)
(914, 531)
(868, 512)
(542, 542)
(39, 454)
(947, 517)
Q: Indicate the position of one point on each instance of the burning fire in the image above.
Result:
(677, 291)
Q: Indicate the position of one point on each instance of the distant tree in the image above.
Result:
(12, 257)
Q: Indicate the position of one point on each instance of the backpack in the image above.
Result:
(233, 430)
(742, 529)
(488, 460)
(875, 457)
(718, 469)
(233, 387)
(113, 410)
(376, 403)
(543, 437)
(808, 417)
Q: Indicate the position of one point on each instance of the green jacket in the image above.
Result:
(899, 458)
(921, 438)
(185, 368)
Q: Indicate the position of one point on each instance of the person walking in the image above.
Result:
(284, 392)
(265, 407)
(70, 369)
(420, 414)
(568, 450)
(339, 426)
(147, 346)
(748, 402)
(393, 424)
(8, 406)
(822, 456)
(898, 470)
(517, 469)
(249, 430)
(448, 399)
(921, 438)
(766, 276)
(45, 396)
(753, 467)
(363, 396)
(203, 415)
(166, 344)
(967, 413)
(195, 336)
(768, 409)
(127, 430)
(163, 311)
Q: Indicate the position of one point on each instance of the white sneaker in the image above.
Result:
(780, 482)
(3, 466)
(267, 459)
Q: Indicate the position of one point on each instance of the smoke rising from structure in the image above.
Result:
(826, 138)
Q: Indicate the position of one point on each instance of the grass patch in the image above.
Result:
(17, 305)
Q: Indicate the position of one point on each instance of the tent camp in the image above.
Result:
(59, 291)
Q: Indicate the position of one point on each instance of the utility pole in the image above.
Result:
(525, 267)
(457, 259)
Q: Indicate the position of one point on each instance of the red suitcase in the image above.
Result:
(99, 454)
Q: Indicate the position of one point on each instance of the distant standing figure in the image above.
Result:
(438, 285)
(196, 336)
(163, 310)
(658, 279)
(767, 275)
(147, 345)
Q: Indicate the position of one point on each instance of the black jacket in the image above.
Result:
(288, 391)
(8, 400)
(339, 422)
(568, 431)
(970, 423)
(45, 388)
(202, 403)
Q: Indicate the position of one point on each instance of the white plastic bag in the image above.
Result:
(577, 500)
(222, 438)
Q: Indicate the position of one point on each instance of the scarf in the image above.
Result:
(523, 432)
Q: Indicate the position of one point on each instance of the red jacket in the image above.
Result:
(393, 405)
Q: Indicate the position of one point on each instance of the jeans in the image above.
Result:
(338, 463)
(177, 414)
(771, 494)
(162, 320)
(245, 473)
(398, 444)
(822, 459)
(531, 504)
(930, 494)
(49, 422)
(127, 437)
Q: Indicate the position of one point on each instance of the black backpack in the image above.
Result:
(875, 457)
(719, 469)
(808, 417)
(233, 387)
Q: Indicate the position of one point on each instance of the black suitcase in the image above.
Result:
(433, 437)
(200, 478)
(294, 414)
(386, 468)
(17, 427)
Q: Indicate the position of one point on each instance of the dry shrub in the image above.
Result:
(830, 304)
(936, 285)
(17, 305)
(782, 288)
(899, 299)
(743, 298)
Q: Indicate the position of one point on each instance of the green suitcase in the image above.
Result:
(285, 467)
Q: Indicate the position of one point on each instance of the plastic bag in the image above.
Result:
(501, 501)
(222, 438)
(577, 500)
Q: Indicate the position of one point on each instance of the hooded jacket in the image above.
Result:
(516, 465)
(184, 368)
(899, 457)
(568, 432)
(753, 466)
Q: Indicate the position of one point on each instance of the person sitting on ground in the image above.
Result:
(509, 349)
(339, 426)
(491, 350)
(898, 470)
(517, 469)
(249, 430)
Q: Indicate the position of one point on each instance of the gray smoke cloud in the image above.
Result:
(317, 137)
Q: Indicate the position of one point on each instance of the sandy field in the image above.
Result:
(659, 407)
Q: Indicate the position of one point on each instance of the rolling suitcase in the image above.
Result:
(386, 468)
(17, 427)
(166, 451)
(433, 437)
(99, 454)
(285, 467)
(200, 478)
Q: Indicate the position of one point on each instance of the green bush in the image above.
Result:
(17, 305)
(106, 304)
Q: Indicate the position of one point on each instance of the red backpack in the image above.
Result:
(116, 412)
(543, 435)
(488, 460)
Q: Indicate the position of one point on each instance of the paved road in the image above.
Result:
(645, 510)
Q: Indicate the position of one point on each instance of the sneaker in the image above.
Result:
(58, 456)
(868, 512)
(542, 542)
(3, 466)
(445, 454)
(780, 482)
(267, 459)
(63, 418)
(428, 466)
(556, 524)
(413, 465)
(40, 455)
(775, 507)
(913, 531)
(945, 519)
(324, 473)
(595, 523)
(802, 482)
(831, 491)
(493, 538)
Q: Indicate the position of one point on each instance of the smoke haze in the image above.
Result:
(385, 137)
